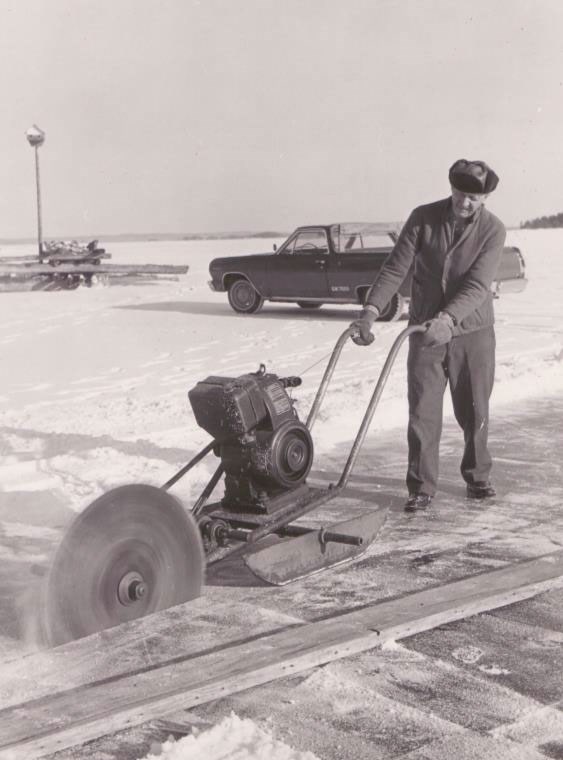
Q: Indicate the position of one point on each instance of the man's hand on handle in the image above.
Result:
(363, 325)
(439, 330)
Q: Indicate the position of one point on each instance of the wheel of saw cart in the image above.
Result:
(133, 551)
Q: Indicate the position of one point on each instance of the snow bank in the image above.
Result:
(231, 739)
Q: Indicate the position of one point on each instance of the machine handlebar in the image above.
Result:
(350, 332)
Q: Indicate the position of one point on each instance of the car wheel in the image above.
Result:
(393, 310)
(309, 304)
(243, 297)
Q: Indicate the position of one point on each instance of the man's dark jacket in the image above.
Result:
(456, 278)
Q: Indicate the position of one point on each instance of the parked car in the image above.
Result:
(333, 263)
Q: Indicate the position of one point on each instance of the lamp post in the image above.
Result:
(36, 138)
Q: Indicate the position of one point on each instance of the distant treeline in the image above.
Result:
(555, 220)
(204, 236)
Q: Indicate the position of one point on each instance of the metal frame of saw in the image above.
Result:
(230, 531)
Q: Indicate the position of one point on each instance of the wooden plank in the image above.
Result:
(43, 726)
(86, 257)
(38, 728)
(19, 259)
(35, 270)
(177, 633)
(469, 596)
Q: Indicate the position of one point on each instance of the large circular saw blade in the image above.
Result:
(133, 551)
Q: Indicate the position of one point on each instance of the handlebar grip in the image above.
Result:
(355, 333)
(290, 382)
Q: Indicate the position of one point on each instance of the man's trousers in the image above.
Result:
(467, 362)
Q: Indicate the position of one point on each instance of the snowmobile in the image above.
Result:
(136, 549)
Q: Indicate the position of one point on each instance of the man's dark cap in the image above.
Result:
(472, 177)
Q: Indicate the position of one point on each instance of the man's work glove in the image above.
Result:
(364, 324)
(439, 330)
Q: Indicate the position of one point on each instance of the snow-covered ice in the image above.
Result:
(93, 389)
(116, 363)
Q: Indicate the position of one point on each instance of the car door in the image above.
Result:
(359, 254)
(298, 270)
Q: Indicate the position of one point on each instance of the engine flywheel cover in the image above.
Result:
(290, 454)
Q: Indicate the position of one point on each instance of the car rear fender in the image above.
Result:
(404, 289)
(361, 293)
(511, 265)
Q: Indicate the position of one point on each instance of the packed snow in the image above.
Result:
(231, 739)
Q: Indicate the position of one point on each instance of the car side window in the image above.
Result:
(287, 247)
(350, 240)
(353, 243)
(311, 241)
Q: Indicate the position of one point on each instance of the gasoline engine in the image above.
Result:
(265, 451)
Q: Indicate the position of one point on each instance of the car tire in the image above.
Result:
(309, 304)
(243, 297)
(393, 310)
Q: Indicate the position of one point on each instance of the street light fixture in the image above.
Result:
(36, 138)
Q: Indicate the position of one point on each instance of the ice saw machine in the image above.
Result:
(136, 550)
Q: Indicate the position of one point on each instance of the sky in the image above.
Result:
(214, 115)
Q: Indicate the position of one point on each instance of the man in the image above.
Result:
(454, 246)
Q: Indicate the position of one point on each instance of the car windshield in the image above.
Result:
(357, 236)
(306, 241)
